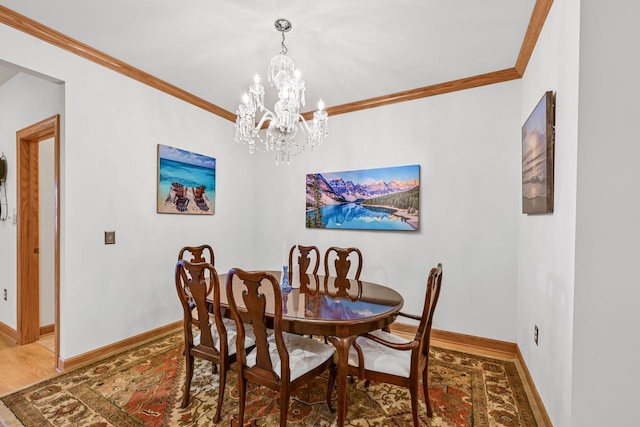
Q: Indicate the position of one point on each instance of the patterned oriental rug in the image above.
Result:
(143, 387)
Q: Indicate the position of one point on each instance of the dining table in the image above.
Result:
(339, 309)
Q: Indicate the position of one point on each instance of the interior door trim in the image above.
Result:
(43, 130)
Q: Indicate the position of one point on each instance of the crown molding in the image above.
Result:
(49, 35)
(538, 18)
(427, 91)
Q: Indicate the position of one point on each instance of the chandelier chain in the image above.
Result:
(284, 48)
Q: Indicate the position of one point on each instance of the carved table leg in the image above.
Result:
(342, 346)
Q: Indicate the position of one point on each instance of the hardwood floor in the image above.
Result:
(23, 365)
(47, 341)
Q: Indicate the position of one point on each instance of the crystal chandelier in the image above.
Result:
(285, 119)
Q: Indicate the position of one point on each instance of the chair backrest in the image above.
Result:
(253, 287)
(194, 283)
(202, 253)
(431, 299)
(339, 258)
(306, 254)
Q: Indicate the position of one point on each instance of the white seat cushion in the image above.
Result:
(380, 358)
(304, 354)
(232, 333)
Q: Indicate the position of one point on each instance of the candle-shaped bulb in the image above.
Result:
(245, 98)
(297, 74)
(256, 79)
(320, 105)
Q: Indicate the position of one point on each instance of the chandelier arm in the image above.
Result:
(303, 124)
(268, 115)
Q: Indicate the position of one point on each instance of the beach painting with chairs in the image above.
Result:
(186, 182)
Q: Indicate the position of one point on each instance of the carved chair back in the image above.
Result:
(339, 260)
(202, 253)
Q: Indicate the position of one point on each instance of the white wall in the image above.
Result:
(24, 100)
(547, 242)
(606, 344)
(108, 161)
(468, 146)
(46, 190)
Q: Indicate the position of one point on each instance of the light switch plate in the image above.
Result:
(109, 237)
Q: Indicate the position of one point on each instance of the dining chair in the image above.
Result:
(341, 261)
(385, 357)
(216, 337)
(280, 361)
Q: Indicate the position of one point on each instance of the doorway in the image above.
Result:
(28, 229)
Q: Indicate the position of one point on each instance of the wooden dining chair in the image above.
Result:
(385, 357)
(280, 361)
(216, 339)
(338, 262)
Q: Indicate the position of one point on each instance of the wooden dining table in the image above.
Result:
(340, 309)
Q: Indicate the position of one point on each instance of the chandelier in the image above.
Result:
(283, 122)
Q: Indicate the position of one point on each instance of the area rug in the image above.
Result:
(143, 387)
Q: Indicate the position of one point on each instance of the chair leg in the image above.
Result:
(413, 391)
(425, 386)
(222, 381)
(187, 378)
(333, 371)
(242, 394)
(361, 374)
(284, 407)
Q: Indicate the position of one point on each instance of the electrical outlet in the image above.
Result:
(5, 294)
(535, 334)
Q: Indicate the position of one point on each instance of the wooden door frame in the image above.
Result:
(26, 149)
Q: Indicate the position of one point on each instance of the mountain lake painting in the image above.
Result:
(186, 182)
(370, 199)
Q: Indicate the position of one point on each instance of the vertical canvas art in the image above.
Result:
(186, 182)
(370, 199)
(537, 158)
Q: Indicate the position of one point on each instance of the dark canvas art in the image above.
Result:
(537, 158)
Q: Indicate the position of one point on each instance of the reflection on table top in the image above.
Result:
(325, 298)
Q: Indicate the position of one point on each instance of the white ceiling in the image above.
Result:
(347, 50)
